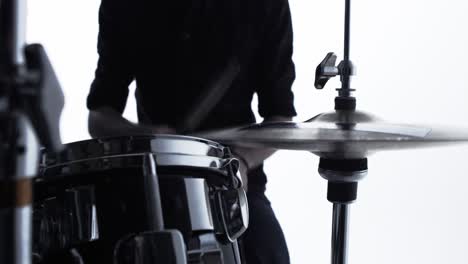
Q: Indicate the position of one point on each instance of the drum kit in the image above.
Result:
(145, 199)
(161, 198)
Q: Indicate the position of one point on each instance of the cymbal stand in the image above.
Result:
(31, 101)
(342, 174)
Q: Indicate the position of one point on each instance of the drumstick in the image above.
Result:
(210, 97)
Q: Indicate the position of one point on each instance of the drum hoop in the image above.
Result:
(224, 168)
(220, 164)
(115, 146)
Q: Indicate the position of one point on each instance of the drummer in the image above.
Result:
(174, 50)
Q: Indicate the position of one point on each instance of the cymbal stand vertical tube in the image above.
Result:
(346, 66)
(347, 29)
(345, 69)
(342, 176)
(340, 234)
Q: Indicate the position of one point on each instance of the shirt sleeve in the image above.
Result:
(114, 73)
(276, 69)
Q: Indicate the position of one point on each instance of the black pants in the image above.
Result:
(263, 242)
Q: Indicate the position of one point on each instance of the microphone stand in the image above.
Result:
(31, 102)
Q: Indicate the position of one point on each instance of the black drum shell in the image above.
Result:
(113, 180)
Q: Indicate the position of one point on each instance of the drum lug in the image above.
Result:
(232, 166)
(233, 211)
(166, 246)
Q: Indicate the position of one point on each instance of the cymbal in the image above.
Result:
(339, 134)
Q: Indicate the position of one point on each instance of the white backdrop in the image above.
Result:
(411, 67)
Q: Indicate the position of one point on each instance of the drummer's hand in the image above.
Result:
(243, 169)
(251, 158)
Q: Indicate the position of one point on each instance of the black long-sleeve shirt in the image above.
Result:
(174, 49)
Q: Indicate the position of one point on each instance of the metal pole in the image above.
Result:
(18, 165)
(12, 32)
(347, 67)
(347, 29)
(19, 153)
(339, 252)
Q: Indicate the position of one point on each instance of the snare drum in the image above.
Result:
(91, 198)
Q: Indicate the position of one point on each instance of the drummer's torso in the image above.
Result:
(178, 47)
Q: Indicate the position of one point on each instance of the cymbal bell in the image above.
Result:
(339, 135)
